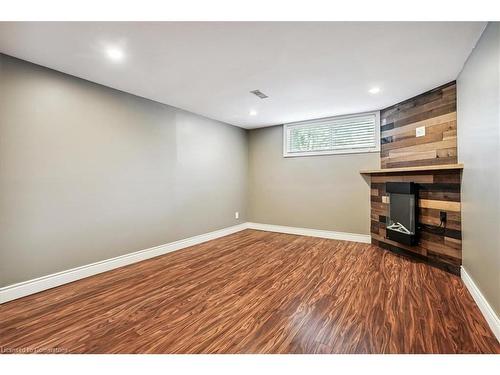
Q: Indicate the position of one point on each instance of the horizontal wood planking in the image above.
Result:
(435, 144)
(436, 111)
(440, 195)
(440, 205)
(423, 162)
(421, 103)
(449, 117)
(408, 143)
(439, 190)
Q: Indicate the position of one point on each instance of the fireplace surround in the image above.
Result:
(438, 193)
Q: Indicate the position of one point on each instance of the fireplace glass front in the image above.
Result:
(401, 221)
(401, 215)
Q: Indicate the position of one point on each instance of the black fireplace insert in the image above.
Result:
(401, 222)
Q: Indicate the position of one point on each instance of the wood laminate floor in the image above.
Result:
(255, 292)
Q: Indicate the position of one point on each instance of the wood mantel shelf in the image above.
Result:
(413, 169)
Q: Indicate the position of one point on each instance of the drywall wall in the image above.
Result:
(88, 173)
(319, 192)
(478, 104)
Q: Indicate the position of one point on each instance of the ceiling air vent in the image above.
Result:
(259, 93)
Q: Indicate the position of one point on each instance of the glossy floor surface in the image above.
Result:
(255, 292)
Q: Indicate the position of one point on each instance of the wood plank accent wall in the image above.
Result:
(436, 110)
(439, 191)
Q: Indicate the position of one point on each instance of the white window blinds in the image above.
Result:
(333, 135)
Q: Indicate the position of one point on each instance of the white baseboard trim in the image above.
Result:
(15, 291)
(39, 284)
(354, 237)
(487, 311)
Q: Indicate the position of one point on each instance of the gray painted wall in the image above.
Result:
(319, 192)
(88, 173)
(478, 100)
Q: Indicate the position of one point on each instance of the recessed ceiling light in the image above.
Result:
(253, 112)
(115, 54)
(374, 90)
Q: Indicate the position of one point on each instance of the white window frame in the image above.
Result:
(287, 154)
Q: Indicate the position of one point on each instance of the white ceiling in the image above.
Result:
(308, 69)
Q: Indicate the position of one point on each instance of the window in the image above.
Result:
(333, 135)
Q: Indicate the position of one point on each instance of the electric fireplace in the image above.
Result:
(401, 224)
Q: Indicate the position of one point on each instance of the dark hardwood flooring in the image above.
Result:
(255, 292)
